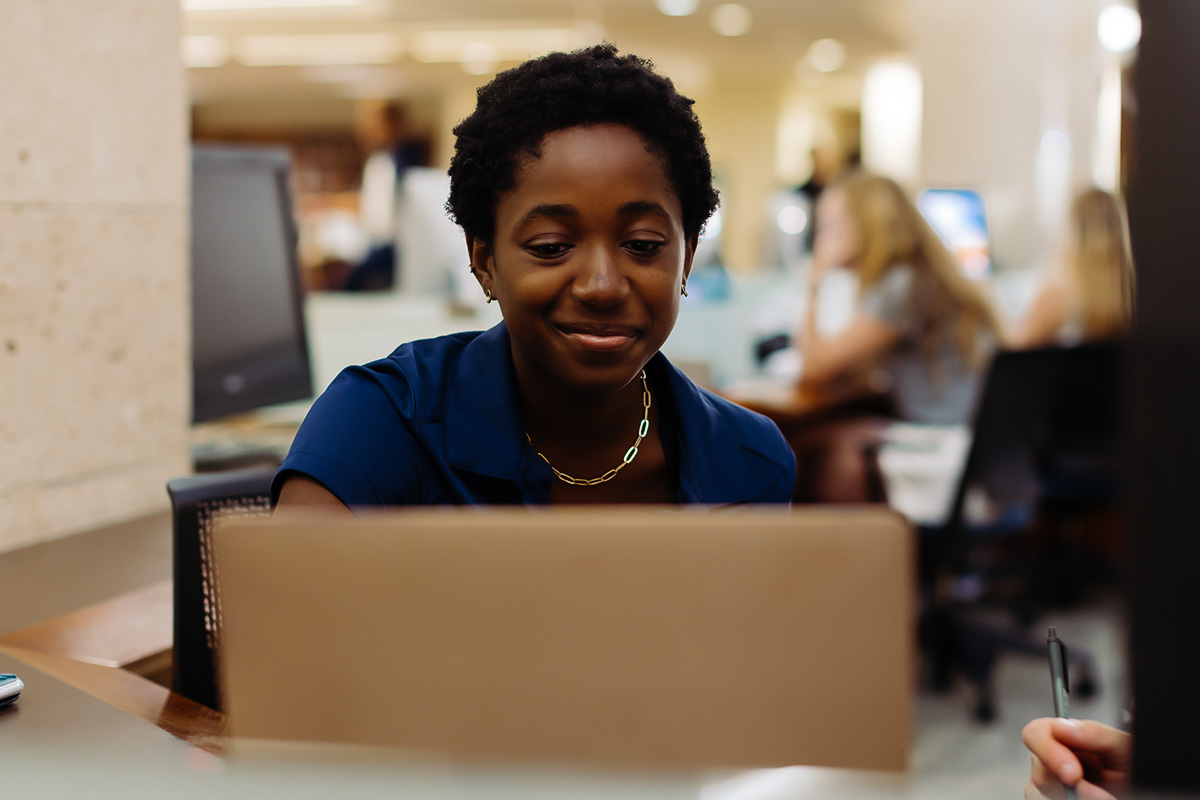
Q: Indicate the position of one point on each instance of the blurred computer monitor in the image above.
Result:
(249, 344)
(959, 217)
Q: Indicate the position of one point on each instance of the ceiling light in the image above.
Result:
(827, 55)
(432, 47)
(480, 58)
(204, 51)
(1119, 28)
(250, 5)
(273, 50)
(677, 8)
(731, 19)
(792, 219)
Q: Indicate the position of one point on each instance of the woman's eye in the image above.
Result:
(550, 250)
(644, 247)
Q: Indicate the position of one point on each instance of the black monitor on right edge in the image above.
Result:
(1164, 400)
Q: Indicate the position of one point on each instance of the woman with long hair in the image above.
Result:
(1091, 296)
(919, 322)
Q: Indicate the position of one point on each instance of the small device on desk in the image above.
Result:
(10, 688)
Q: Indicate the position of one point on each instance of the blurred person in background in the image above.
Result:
(382, 131)
(918, 319)
(1089, 296)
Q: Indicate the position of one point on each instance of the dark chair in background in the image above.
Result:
(197, 502)
(996, 502)
(1082, 472)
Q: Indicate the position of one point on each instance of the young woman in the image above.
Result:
(1091, 297)
(919, 321)
(581, 182)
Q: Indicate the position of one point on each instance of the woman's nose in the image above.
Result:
(600, 282)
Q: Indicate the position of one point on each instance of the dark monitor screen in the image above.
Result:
(960, 218)
(249, 347)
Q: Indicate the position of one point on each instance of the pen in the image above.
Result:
(1058, 680)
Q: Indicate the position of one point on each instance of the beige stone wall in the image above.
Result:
(94, 322)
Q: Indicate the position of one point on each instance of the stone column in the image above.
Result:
(94, 287)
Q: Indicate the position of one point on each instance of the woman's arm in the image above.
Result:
(299, 491)
(1092, 757)
(825, 359)
(1044, 320)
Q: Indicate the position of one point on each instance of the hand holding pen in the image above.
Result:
(1074, 758)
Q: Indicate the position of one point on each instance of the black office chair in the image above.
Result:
(1081, 457)
(1081, 470)
(996, 499)
(197, 502)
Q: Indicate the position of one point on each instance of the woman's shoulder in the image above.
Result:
(708, 414)
(413, 375)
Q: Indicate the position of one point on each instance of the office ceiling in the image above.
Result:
(686, 48)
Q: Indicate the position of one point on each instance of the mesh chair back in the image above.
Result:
(197, 503)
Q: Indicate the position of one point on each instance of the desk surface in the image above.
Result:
(52, 713)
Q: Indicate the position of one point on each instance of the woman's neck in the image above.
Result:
(554, 410)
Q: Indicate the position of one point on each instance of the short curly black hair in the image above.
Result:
(516, 110)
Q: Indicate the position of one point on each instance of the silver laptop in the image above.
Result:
(631, 637)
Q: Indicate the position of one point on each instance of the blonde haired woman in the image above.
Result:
(918, 319)
(1092, 298)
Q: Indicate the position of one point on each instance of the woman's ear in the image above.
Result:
(689, 253)
(482, 263)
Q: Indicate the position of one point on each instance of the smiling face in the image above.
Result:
(588, 260)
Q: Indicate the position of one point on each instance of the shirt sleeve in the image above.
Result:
(891, 301)
(356, 442)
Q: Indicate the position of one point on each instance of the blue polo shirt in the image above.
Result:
(438, 422)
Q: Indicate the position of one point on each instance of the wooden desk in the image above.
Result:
(789, 405)
(107, 650)
(55, 712)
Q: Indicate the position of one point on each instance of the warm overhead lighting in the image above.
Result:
(677, 8)
(480, 58)
(730, 19)
(464, 47)
(275, 50)
(253, 5)
(792, 219)
(1119, 28)
(826, 55)
(204, 51)
(892, 100)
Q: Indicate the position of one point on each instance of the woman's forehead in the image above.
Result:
(598, 156)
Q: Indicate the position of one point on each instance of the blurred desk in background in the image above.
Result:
(790, 406)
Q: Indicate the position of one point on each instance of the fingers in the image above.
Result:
(1053, 761)
(1112, 746)
(1090, 791)
(1033, 793)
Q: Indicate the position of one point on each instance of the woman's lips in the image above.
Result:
(599, 338)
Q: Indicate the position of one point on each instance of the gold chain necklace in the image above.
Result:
(630, 454)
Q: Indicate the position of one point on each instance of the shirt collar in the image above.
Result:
(712, 462)
(485, 433)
